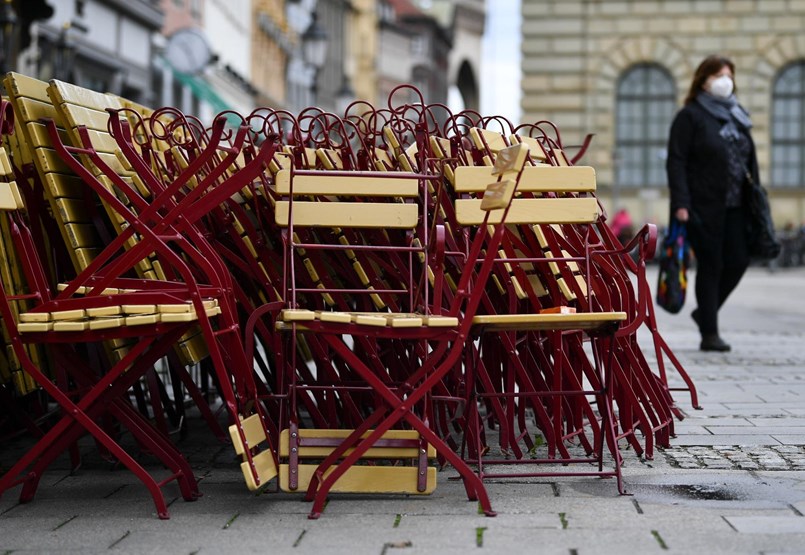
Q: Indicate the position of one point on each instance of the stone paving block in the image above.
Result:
(724, 439)
(694, 419)
(757, 430)
(790, 439)
(768, 524)
(788, 422)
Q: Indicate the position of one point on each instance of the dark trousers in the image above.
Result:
(719, 267)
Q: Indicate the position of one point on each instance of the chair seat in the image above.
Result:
(548, 321)
(373, 319)
(112, 317)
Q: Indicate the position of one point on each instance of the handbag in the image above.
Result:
(672, 282)
(763, 243)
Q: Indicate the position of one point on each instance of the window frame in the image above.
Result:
(652, 125)
(780, 144)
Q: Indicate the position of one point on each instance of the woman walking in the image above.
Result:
(710, 156)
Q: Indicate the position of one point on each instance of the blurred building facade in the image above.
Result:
(620, 69)
(206, 56)
(99, 44)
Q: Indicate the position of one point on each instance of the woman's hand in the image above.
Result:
(682, 214)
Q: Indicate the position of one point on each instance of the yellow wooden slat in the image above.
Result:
(541, 321)
(104, 311)
(535, 148)
(252, 430)
(82, 236)
(348, 214)
(71, 325)
(365, 479)
(142, 319)
(34, 327)
(75, 314)
(535, 179)
(483, 138)
(65, 186)
(27, 317)
(266, 470)
(357, 184)
(371, 453)
(532, 211)
(8, 201)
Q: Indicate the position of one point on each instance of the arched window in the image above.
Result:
(645, 106)
(788, 127)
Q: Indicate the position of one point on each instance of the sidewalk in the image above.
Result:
(733, 482)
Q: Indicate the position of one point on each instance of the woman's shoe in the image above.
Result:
(712, 342)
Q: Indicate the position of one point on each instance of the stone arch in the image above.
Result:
(467, 83)
(614, 58)
(629, 52)
(771, 59)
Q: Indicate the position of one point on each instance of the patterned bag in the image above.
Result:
(673, 280)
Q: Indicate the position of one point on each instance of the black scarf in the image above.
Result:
(728, 111)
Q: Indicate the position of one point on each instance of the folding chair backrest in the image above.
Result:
(64, 191)
(13, 281)
(532, 210)
(359, 201)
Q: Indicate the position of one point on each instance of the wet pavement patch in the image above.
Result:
(705, 492)
(740, 490)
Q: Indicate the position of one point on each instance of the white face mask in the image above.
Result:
(721, 86)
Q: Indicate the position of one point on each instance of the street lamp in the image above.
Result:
(314, 48)
(8, 26)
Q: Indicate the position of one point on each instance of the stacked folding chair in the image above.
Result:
(364, 293)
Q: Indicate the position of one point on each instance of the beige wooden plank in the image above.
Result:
(142, 319)
(266, 470)
(62, 185)
(34, 110)
(371, 453)
(106, 323)
(72, 211)
(365, 479)
(252, 430)
(483, 138)
(535, 179)
(62, 92)
(532, 211)
(31, 317)
(330, 159)
(359, 184)
(35, 327)
(535, 148)
(536, 321)
(441, 321)
(349, 214)
(71, 325)
(335, 317)
(47, 161)
(8, 201)
(82, 235)
(297, 315)
(75, 314)
(21, 85)
(104, 311)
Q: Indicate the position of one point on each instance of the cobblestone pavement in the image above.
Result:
(733, 480)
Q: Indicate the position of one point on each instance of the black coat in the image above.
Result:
(697, 170)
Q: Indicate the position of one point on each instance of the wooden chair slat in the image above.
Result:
(348, 214)
(532, 211)
(361, 184)
(535, 179)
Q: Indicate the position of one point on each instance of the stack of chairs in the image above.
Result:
(365, 294)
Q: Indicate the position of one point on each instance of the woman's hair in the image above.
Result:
(709, 66)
